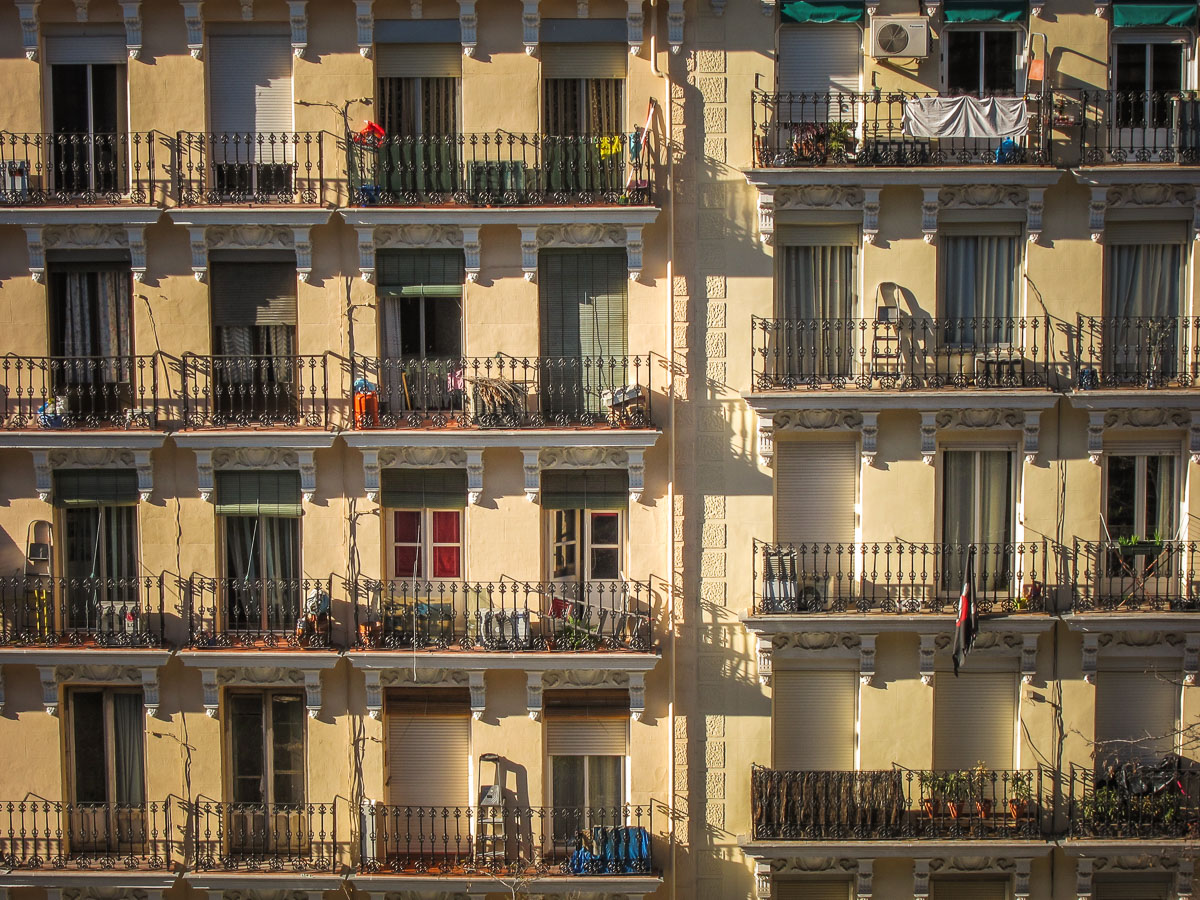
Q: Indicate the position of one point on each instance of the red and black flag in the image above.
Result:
(967, 625)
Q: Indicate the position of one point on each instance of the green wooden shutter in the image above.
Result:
(583, 295)
(266, 493)
(444, 488)
(585, 489)
(95, 487)
(253, 293)
(401, 269)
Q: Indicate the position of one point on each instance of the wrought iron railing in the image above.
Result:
(48, 834)
(260, 612)
(1126, 802)
(500, 169)
(501, 391)
(502, 615)
(897, 804)
(870, 129)
(50, 611)
(79, 168)
(902, 577)
(242, 391)
(1134, 126)
(68, 392)
(907, 353)
(1134, 575)
(299, 837)
(507, 839)
(1137, 351)
(284, 167)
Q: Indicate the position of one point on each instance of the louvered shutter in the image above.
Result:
(583, 295)
(1144, 887)
(974, 720)
(584, 60)
(816, 236)
(437, 488)
(94, 44)
(970, 889)
(253, 293)
(418, 61)
(604, 736)
(250, 82)
(813, 720)
(585, 489)
(1145, 232)
(811, 890)
(820, 59)
(95, 487)
(815, 490)
(429, 758)
(265, 493)
(1142, 707)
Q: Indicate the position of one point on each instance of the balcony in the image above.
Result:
(500, 169)
(449, 841)
(81, 392)
(273, 837)
(79, 169)
(900, 577)
(1143, 352)
(897, 804)
(502, 392)
(48, 611)
(1127, 802)
(267, 168)
(509, 616)
(1133, 127)
(1128, 576)
(797, 130)
(47, 834)
(261, 613)
(265, 391)
(911, 353)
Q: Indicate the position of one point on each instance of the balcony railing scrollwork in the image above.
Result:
(291, 613)
(1137, 351)
(1133, 802)
(48, 834)
(1133, 126)
(52, 611)
(1130, 575)
(239, 391)
(299, 837)
(86, 168)
(75, 392)
(283, 167)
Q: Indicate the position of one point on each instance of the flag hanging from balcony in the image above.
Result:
(967, 625)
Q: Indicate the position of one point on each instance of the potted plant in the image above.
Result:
(933, 788)
(978, 781)
(1020, 796)
(840, 139)
(957, 793)
(1133, 545)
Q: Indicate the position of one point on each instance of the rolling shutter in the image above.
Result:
(970, 889)
(816, 236)
(584, 60)
(1145, 232)
(266, 493)
(421, 272)
(585, 489)
(569, 735)
(815, 491)
(812, 890)
(253, 293)
(444, 488)
(250, 82)
(813, 720)
(418, 61)
(1135, 706)
(429, 758)
(95, 44)
(974, 720)
(95, 487)
(819, 59)
(1144, 887)
(583, 295)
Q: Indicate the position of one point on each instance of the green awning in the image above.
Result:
(1138, 15)
(958, 11)
(266, 493)
(812, 12)
(95, 487)
(585, 489)
(443, 488)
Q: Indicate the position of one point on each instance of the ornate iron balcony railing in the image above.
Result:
(281, 167)
(243, 391)
(1137, 351)
(281, 613)
(88, 168)
(53, 611)
(49, 834)
(74, 392)
(1131, 575)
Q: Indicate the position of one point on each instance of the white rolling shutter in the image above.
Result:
(94, 44)
(970, 889)
(815, 491)
(418, 61)
(429, 760)
(974, 720)
(1139, 707)
(813, 720)
(1141, 888)
(587, 737)
(584, 60)
(250, 82)
(820, 59)
(812, 890)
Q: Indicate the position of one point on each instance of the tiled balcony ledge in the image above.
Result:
(481, 885)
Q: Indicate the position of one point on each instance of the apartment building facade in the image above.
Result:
(335, 460)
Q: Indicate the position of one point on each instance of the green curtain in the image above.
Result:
(819, 12)
(1140, 15)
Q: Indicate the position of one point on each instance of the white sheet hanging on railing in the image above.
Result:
(965, 117)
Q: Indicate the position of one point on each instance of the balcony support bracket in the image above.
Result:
(212, 692)
(374, 694)
(364, 17)
(929, 212)
(1194, 437)
(870, 214)
(766, 215)
(928, 436)
(145, 474)
(533, 695)
(764, 651)
(1091, 649)
(478, 687)
(199, 246)
(633, 251)
(204, 473)
(312, 692)
(762, 879)
(49, 689)
(927, 651)
(1030, 430)
(766, 440)
(150, 690)
(1083, 879)
(637, 474)
(131, 13)
(308, 474)
(531, 22)
(920, 879)
(43, 480)
(675, 25)
(634, 21)
(870, 436)
(474, 476)
(298, 19)
(864, 879)
(637, 695)
(366, 254)
(471, 253)
(529, 253)
(371, 474)
(1096, 210)
(37, 253)
(1029, 648)
(866, 660)
(532, 465)
(1021, 877)
(193, 17)
(303, 245)
(136, 235)
(1095, 436)
(1183, 879)
(1034, 208)
(1191, 658)
(467, 24)
(28, 11)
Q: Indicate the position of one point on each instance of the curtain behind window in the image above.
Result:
(1145, 299)
(818, 301)
(981, 275)
(128, 720)
(94, 320)
(976, 510)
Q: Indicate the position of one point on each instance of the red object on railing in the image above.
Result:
(370, 135)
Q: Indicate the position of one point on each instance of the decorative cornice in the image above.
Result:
(418, 236)
(28, 12)
(581, 234)
(819, 197)
(364, 18)
(131, 14)
(583, 458)
(298, 19)
(193, 17)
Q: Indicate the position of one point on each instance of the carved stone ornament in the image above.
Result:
(274, 676)
(558, 679)
(94, 458)
(406, 676)
(28, 12)
(819, 196)
(581, 234)
(468, 23)
(764, 650)
(84, 237)
(422, 458)
(298, 20)
(817, 420)
(983, 196)
(981, 418)
(254, 458)
(1144, 195)
(583, 458)
(53, 676)
(418, 236)
(1147, 417)
(248, 237)
(364, 18)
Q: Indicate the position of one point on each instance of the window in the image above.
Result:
(426, 543)
(108, 780)
(259, 516)
(1137, 716)
(974, 720)
(428, 754)
(418, 106)
(1145, 274)
(977, 510)
(584, 106)
(266, 740)
(980, 279)
(817, 298)
(1141, 503)
(969, 888)
(585, 517)
(816, 60)
(587, 743)
(982, 62)
(813, 720)
(1147, 76)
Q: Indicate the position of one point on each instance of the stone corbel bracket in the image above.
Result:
(1191, 658)
(366, 253)
(212, 692)
(150, 690)
(928, 437)
(28, 11)
(204, 473)
(932, 6)
(43, 480)
(137, 251)
(675, 25)
(49, 689)
(1183, 878)
(870, 214)
(1194, 437)
(1083, 878)
(531, 463)
(764, 651)
(303, 245)
(247, 10)
(637, 474)
(364, 17)
(637, 695)
(634, 20)
(37, 253)
(474, 476)
(1030, 431)
(1096, 210)
(533, 694)
(308, 474)
(131, 14)
(1091, 649)
(145, 474)
(864, 879)
(766, 216)
(927, 653)
(468, 22)
(920, 879)
(762, 874)
(633, 251)
(471, 253)
(529, 253)
(1021, 878)
(866, 659)
(531, 23)
(371, 474)
(766, 440)
(929, 202)
(870, 436)
(374, 694)
(193, 17)
(298, 19)
(312, 692)
(1034, 208)
(1029, 648)
(199, 245)
(1095, 434)
(478, 687)
(1101, 7)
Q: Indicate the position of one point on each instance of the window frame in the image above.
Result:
(584, 545)
(1145, 37)
(412, 86)
(1019, 62)
(1014, 488)
(268, 729)
(425, 545)
(107, 692)
(587, 800)
(264, 624)
(1141, 472)
(121, 97)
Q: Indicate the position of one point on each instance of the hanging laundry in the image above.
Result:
(965, 117)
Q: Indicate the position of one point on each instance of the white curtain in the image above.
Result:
(976, 510)
(112, 321)
(128, 719)
(1145, 297)
(818, 302)
(981, 274)
(96, 325)
(280, 550)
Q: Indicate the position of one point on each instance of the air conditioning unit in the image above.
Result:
(16, 179)
(899, 37)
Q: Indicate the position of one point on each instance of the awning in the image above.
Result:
(1137, 15)
(958, 11)
(811, 12)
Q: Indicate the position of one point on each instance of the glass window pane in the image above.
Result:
(995, 497)
(958, 482)
(1166, 67)
(568, 786)
(962, 61)
(606, 562)
(446, 527)
(246, 737)
(604, 785)
(287, 748)
(1160, 498)
(999, 62)
(1129, 64)
(406, 525)
(408, 563)
(1121, 502)
(605, 528)
(89, 747)
(446, 562)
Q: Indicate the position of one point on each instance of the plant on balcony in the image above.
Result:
(933, 789)
(1132, 545)
(1020, 795)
